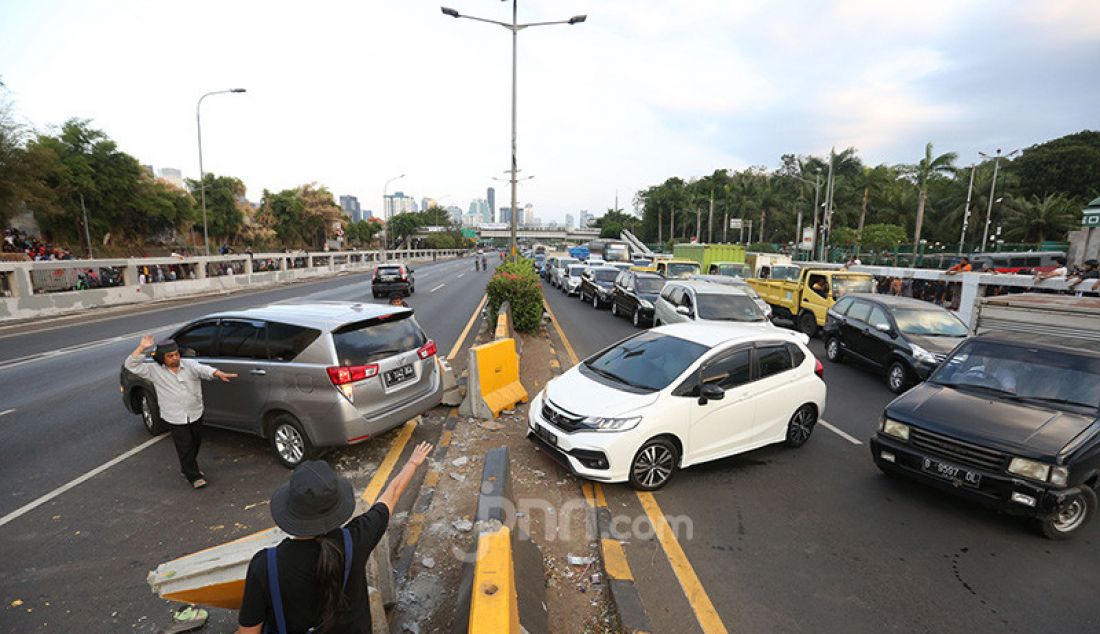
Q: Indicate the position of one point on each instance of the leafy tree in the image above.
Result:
(402, 226)
(1036, 219)
(878, 237)
(436, 217)
(844, 236)
(225, 212)
(439, 241)
(1069, 165)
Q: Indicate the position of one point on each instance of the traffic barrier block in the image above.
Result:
(452, 395)
(494, 604)
(494, 383)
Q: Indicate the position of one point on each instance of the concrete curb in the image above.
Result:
(620, 581)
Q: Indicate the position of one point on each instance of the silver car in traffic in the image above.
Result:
(695, 301)
(309, 376)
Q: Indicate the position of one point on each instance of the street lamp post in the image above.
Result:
(202, 177)
(992, 190)
(817, 191)
(966, 212)
(515, 28)
(386, 219)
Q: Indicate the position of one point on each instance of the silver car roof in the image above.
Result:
(325, 316)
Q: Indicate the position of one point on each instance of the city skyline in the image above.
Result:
(631, 97)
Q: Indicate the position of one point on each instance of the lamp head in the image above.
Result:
(577, 19)
(238, 90)
(450, 12)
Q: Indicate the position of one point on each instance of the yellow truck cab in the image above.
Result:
(677, 269)
(807, 298)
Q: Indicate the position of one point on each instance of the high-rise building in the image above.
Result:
(569, 221)
(350, 205)
(398, 203)
(505, 215)
(529, 215)
(456, 213)
(471, 220)
(491, 198)
(480, 207)
(173, 176)
(585, 220)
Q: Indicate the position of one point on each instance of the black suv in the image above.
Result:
(906, 337)
(1008, 423)
(597, 284)
(392, 278)
(634, 294)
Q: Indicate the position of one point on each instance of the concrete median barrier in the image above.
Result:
(494, 604)
(494, 384)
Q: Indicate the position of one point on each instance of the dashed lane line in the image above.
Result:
(31, 358)
(839, 432)
(6, 412)
(23, 510)
(438, 287)
(466, 330)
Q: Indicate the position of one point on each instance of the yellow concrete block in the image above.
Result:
(494, 605)
(498, 375)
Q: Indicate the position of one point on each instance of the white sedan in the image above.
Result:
(676, 396)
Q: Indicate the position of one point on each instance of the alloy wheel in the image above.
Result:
(896, 377)
(290, 444)
(832, 349)
(637, 318)
(801, 426)
(654, 465)
(1070, 516)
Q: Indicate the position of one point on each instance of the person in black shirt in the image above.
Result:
(318, 592)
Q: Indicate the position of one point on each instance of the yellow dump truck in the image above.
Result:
(806, 299)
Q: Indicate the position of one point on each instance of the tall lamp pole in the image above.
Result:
(816, 182)
(992, 188)
(966, 212)
(515, 27)
(385, 218)
(202, 177)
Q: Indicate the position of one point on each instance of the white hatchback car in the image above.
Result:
(676, 396)
(694, 301)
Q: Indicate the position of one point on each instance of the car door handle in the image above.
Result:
(258, 372)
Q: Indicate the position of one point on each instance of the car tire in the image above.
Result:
(289, 442)
(1073, 515)
(595, 301)
(637, 318)
(832, 350)
(897, 377)
(656, 322)
(654, 465)
(614, 309)
(150, 413)
(807, 323)
(801, 426)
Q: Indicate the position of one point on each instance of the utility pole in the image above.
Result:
(992, 189)
(87, 233)
(966, 211)
(829, 182)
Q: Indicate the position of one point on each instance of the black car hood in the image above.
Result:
(1018, 428)
(649, 297)
(604, 284)
(935, 345)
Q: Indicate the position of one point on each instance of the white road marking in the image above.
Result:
(6, 412)
(18, 361)
(839, 432)
(23, 510)
(438, 287)
(460, 275)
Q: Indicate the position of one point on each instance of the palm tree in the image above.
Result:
(924, 171)
(1034, 219)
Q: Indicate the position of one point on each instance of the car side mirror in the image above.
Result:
(884, 328)
(684, 310)
(711, 392)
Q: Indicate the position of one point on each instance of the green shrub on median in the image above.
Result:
(518, 284)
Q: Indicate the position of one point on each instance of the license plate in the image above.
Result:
(399, 375)
(547, 436)
(952, 472)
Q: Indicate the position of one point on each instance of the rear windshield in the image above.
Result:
(575, 271)
(365, 342)
(389, 270)
(723, 307)
(682, 269)
(607, 276)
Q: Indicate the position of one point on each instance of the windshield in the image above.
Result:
(650, 285)
(723, 307)
(1029, 374)
(575, 271)
(732, 269)
(844, 285)
(564, 262)
(937, 322)
(785, 272)
(366, 342)
(681, 270)
(650, 361)
(607, 276)
(616, 253)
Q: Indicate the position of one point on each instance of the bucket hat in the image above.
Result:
(315, 501)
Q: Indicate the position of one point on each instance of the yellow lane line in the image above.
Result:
(586, 489)
(561, 334)
(597, 490)
(466, 330)
(704, 610)
(374, 488)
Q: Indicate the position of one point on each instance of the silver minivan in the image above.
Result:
(309, 376)
(693, 301)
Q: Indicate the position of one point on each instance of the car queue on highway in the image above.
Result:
(1008, 421)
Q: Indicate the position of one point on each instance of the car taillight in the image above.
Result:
(341, 375)
(819, 369)
(404, 275)
(427, 350)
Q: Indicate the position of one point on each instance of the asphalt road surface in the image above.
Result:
(818, 540)
(78, 562)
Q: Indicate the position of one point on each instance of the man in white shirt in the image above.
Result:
(179, 398)
(1059, 271)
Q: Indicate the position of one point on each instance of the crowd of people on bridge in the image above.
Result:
(16, 241)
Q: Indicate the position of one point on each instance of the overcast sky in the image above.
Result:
(349, 94)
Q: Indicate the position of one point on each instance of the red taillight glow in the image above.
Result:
(819, 369)
(341, 375)
(427, 350)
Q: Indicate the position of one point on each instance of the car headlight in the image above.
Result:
(596, 423)
(895, 429)
(1036, 470)
(645, 304)
(920, 354)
